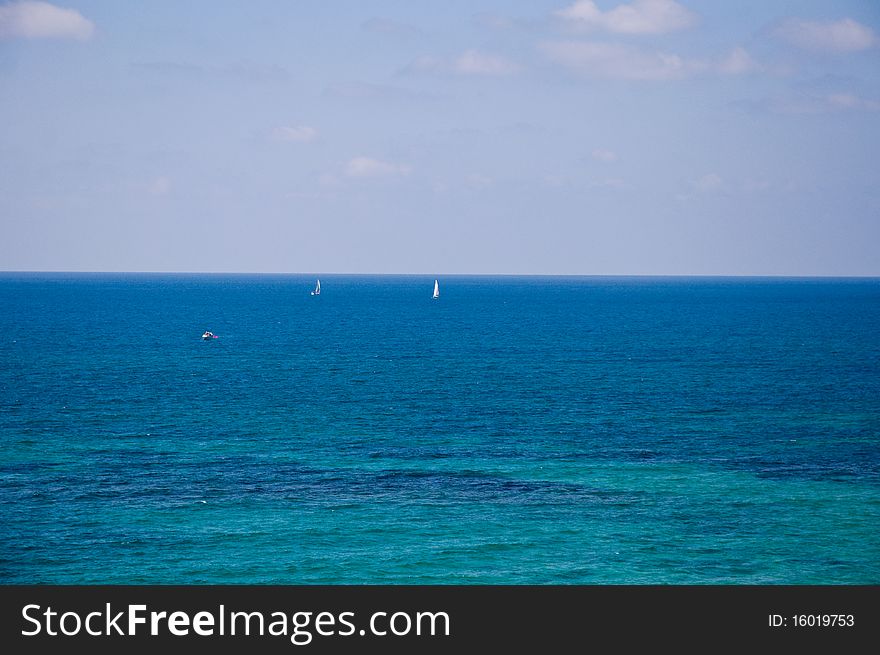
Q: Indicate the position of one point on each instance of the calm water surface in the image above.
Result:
(517, 430)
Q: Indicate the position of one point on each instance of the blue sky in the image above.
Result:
(542, 137)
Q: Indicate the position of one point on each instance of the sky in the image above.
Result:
(559, 137)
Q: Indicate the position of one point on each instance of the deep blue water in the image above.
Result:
(517, 430)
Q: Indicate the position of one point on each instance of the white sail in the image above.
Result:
(317, 291)
(436, 289)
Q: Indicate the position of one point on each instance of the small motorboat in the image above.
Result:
(208, 335)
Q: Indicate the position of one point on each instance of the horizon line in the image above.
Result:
(412, 274)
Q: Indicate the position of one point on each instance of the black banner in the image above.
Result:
(336, 619)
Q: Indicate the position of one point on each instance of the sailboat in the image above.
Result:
(317, 291)
(436, 290)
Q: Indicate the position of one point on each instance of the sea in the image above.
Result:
(517, 430)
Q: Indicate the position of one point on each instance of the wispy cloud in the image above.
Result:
(851, 101)
(709, 183)
(494, 21)
(426, 64)
(32, 19)
(372, 91)
(297, 134)
(387, 27)
(604, 155)
(161, 186)
(608, 183)
(825, 103)
(844, 35)
(627, 62)
(367, 167)
(616, 60)
(479, 181)
(477, 63)
(471, 62)
(245, 71)
(738, 62)
(638, 17)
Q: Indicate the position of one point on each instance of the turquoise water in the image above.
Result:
(517, 430)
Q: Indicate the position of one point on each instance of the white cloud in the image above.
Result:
(604, 155)
(328, 180)
(821, 104)
(738, 62)
(756, 185)
(478, 181)
(639, 17)
(40, 20)
(364, 167)
(161, 186)
(845, 35)
(608, 183)
(844, 100)
(370, 91)
(247, 71)
(476, 63)
(620, 61)
(494, 21)
(614, 60)
(426, 64)
(298, 134)
(387, 27)
(709, 183)
(554, 181)
(470, 62)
